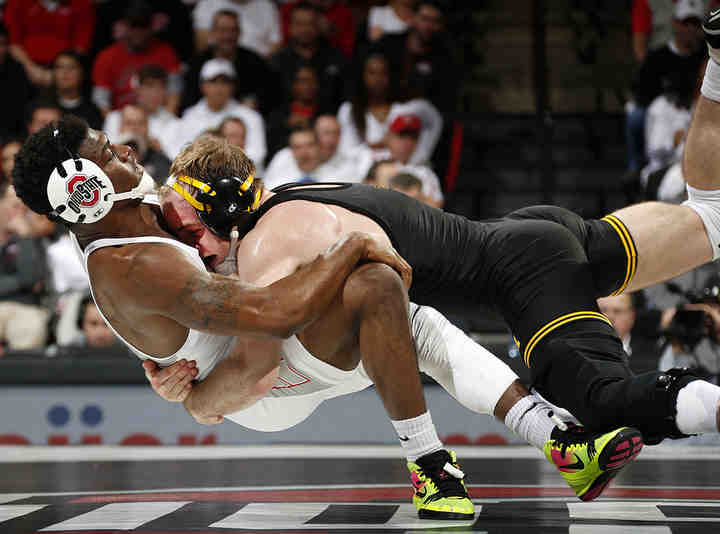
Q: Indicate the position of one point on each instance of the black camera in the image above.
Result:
(689, 327)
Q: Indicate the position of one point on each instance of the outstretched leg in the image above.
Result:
(376, 300)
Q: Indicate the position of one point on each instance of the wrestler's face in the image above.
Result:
(183, 221)
(119, 162)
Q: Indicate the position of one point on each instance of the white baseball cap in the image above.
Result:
(217, 67)
(689, 9)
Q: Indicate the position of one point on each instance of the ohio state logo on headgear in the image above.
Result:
(80, 195)
(84, 191)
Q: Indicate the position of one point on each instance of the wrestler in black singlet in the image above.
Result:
(542, 268)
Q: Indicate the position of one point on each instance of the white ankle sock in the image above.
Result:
(417, 436)
(697, 405)
(530, 419)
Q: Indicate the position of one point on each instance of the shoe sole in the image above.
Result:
(619, 451)
(448, 516)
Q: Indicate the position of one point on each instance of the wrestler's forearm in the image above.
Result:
(238, 381)
(224, 392)
(226, 306)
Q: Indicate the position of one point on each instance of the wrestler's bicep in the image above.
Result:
(170, 285)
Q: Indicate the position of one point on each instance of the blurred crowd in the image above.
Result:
(313, 91)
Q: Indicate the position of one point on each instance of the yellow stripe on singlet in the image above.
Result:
(557, 323)
(629, 247)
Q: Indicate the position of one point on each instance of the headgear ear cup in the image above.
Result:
(83, 195)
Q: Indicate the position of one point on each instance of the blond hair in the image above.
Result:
(209, 158)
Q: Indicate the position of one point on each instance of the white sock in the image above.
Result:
(697, 405)
(711, 82)
(530, 419)
(417, 436)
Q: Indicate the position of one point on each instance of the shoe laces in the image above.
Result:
(447, 478)
(574, 435)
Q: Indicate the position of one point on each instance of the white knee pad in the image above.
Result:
(468, 371)
(707, 205)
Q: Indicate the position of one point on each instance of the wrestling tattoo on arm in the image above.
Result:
(213, 303)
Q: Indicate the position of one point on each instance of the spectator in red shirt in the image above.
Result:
(337, 23)
(39, 31)
(116, 66)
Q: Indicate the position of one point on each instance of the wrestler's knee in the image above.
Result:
(374, 284)
(581, 376)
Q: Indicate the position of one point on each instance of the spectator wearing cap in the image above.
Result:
(651, 25)
(297, 162)
(116, 66)
(71, 87)
(258, 88)
(336, 165)
(40, 30)
(217, 79)
(402, 140)
(679, 59)
(16, 88)
(259, 23)
(424, 58)
(308, 45)
(151, 95)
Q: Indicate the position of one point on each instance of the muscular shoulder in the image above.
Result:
(288, 235)
(300, 221)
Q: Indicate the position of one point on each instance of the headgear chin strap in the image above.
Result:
(221, 203)
(79, 191)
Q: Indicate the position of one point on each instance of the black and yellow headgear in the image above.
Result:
(223, 202)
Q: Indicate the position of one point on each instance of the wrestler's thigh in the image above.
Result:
(333, 337)
(670, 240)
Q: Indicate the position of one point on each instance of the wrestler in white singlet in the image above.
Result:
(304, 382)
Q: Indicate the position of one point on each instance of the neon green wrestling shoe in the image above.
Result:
(589, 461)
(439, 487)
